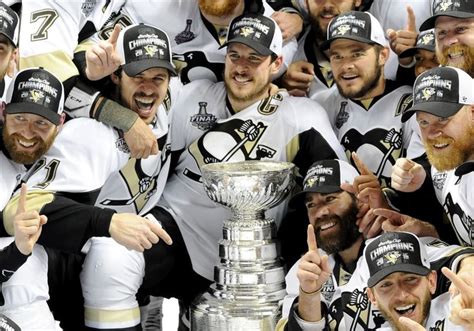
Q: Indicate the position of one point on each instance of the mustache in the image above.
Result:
(439, 140)
(33, 140)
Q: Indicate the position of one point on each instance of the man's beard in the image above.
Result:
(23, 157)
(319, 32)
(368, 86)
(468, 54)
(218, 8)
(254, 95)
(459, 151)
(348, 231)
(395, 324)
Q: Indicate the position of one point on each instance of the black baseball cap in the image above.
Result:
(452, 8)
(395, 252)
(355, 25)
(441, 91)
(256, 31)
(425, 40)
(9, 26)
(325, 176)
(141, 47)
(36, 91)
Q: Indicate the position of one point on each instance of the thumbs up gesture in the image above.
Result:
(102, 58)
(27, 225)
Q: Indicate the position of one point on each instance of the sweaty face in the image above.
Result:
(455, 42)
(321, 12)
(218, 7)
(27, 137)
(145, 92)
(247, 74)
(357, 69)
(333, 217)
(403, 294)
(449, 142)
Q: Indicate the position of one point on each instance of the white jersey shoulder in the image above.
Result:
(81, 158)
(454, 192)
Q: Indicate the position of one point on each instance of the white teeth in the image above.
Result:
(440, 145)
(241, 79)
(25, 143)
(327, 225)
(404, 309)
(145, 100)
(144, 103)
(349, 76)
(455, 55)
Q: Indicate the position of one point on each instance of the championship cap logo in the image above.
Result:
(392, 257)
(445, 5)
(427, 39)
(342, 29)
(427, 93)
(246, 31)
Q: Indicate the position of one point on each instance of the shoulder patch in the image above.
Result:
(405, 103)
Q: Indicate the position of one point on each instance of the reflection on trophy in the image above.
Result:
(250, 281)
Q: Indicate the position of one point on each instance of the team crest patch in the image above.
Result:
(122, 145)
(186, 35)
(202, 120)
(342, 29)
(444, 5)
(87, 7)
(439, 179)
(427, 39)
(342, 115)
(405, 103)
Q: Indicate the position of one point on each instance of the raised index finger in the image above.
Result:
(456, 280)
(311, 239)
(22, 199)
(115, 34)
(360, 165)
(411, 25)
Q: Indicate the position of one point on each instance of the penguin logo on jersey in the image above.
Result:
(234, 140)
(357, 304)
(342, 29)
(389, 143)
(427, 93)
(196, 64)
(36, 95)
(462, 223)
(186, 35)
(202, 120)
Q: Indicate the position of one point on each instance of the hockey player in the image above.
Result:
(245, 118)
(9, 29)
(402, 283)
(454, 29)
(366, 109)
(444, 107)
(310, 72)
(196, 28)
(331, 288)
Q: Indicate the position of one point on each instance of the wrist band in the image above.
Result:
(111, 113)
(310, 293)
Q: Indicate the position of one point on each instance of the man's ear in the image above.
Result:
(276, 65)
(62, 118)
(384, 55)
(115, 78)
(432, 280)
(371, 296)
(3, 112)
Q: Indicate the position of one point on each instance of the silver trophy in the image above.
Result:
(250, 280)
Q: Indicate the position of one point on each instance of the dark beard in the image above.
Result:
(372, 84)
(348, 232)
(22, 157)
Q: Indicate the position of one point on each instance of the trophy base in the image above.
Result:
(209, 312)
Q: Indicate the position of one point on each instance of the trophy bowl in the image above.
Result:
(248, 185)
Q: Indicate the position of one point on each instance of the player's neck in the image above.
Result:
(351, 254)
(239, 104)
(379, 89)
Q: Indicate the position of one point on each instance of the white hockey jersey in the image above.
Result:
(194, 41)
(345, 299)
(281, 128)
(377, 134)
(50, 30)
(454, 190)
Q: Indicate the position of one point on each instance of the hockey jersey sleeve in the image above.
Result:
(10, 260)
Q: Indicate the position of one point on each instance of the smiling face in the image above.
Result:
(357, 68)
(144, 92)
(27, 137)
(449, 141)
(425, 60)
(403, 294)
(248, 75)
(321, 12)
(333, 216)
(7, 52)
(455, 42)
